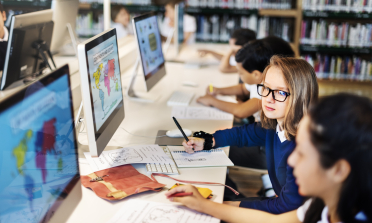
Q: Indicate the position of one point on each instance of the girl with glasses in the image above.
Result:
(332, 165)
(289, 85)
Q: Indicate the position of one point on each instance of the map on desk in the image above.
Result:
(128, 155)
(104, 76)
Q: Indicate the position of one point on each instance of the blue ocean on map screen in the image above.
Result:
(37, 153)
(105, 82)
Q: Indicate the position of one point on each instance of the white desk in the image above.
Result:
(146, 119)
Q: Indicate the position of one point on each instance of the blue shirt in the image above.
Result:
(277, 153)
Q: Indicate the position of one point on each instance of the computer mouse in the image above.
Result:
(176, 133)
(189, 84)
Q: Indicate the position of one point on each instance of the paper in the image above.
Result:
(203, 158)
(205, 113)
(141, 211)
(128, 155)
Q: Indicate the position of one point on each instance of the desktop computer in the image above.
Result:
(151, 56)
(38, 153)
(101, 89)
(64, 41)
(27, 52)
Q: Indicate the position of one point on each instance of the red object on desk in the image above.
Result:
(181, 194)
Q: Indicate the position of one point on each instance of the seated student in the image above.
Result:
(121, 21)
(4, 34)
(189, 24)
(251, 62)
(331, 163)
(289, 85)
(238, 38)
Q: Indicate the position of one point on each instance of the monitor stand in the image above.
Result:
(130, 92)
(81, 147)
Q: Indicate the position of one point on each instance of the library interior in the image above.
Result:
(176, 111)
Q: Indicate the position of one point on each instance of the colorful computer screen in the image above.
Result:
(104, 76)
(149, 42)
(38, 153)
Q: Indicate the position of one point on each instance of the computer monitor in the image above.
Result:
(178, 24)
(147, 33)
(27, 32)
(64, 17)
(38, 152)
(101, 89)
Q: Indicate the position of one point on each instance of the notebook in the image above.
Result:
(203, 158)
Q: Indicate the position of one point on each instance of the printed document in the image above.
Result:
(205, 113)
(128, 155)
(141, 211)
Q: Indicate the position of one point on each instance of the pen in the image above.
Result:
(211, 88)
(180, 128)
(181, 194)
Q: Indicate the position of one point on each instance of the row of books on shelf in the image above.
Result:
(122, 2)
(241, 4)
(273, 26)
(217, 28)
(338, 5)
(340, 67)
(328, 33)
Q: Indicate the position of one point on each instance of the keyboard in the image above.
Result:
(180, 98)
(170, 168)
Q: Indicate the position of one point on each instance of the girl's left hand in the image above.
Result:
(206, 100)
(195, 201)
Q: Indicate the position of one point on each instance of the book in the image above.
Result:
(203, 158)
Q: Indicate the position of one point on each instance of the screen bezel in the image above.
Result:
(161, 67)
(20, 96)
(88, 46)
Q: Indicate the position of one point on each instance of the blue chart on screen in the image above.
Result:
(104, 75)
(38, 157)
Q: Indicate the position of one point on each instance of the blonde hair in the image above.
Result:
(301, 80)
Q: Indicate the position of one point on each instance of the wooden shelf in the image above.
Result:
(337, 15)
(198, 10)
(335, 50)
(343, 82)
(278, 13)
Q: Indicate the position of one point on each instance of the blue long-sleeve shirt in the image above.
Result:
(277, 153)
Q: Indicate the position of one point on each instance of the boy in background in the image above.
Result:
(4, 34)
(238, 38)
(121, 21)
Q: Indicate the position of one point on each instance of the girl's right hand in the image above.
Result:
(195, 201)
(194, 144)
(215, 91)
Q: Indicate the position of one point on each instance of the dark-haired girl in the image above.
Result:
(332, 164)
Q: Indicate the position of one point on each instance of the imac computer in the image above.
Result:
(101, 89)
(27, 52)
(178, 24)
(64, 41)
(147, 33)
(40, 178)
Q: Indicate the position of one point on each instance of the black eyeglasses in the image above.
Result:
(278, 95)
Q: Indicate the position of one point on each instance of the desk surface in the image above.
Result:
(146, 119)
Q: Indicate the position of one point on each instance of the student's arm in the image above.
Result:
(241, 110)
(187, 36)
(287, 200)
(202, 53)
(237, 90)
(225, 66)
(228, 213)
(246, 135)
